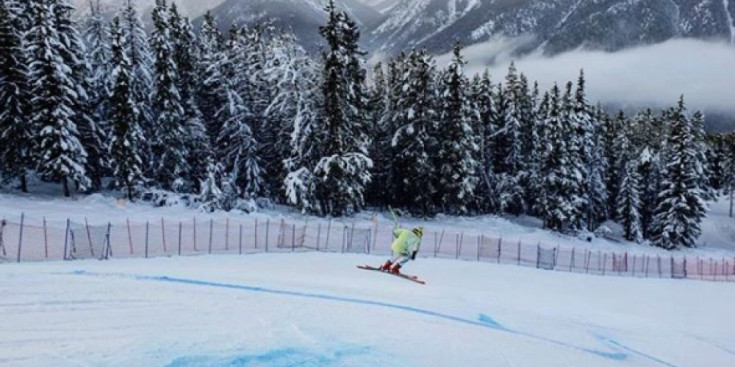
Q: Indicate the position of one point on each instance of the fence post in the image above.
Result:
(571, 264)
(256, 233)
(329, 230)
(587, 259)
(163, 235)
(648, 264)
(130, 236)
(318, 235)
(89, 236)
(479, 241)
(20, 236)
(45, 238)
(293, 238)
(436, 243)
(66, 237)
(239, 241)
(456, 246)
(267, 229)
(180, 228)
(658, 257)
(147, 230)
(519, 252)
(227, 234)
(195, 235)
(211, 229)
(500, 248)
(686, 275)
(107, 250)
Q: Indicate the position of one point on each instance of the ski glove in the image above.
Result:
(413, 255)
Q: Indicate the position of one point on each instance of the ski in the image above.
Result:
(412, 278)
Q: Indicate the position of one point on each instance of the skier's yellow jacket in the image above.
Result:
(406, 241)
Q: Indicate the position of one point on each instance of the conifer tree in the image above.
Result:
(170, 136)
(380, 150)
(126, 140)
(344, 171)
(97, 37)
(510, 144)
(629, 203)
(484, 100)
(17, 133)
(678, 216)
(141, 61)
(208, 94)
(456, 161)
(414, 118)
(61, 155)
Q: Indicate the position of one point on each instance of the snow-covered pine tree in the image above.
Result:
(126, 136)
(575, 171)
(704, 165)
(61, 155)
(97, 38)
(293, 77)
(596, 186)
(629, 203)
(343, 173)
(141, 61)
(588, 157)
(208, 93)
(457, 159)
(681, 208)
(414, 118)
(92, 133)
(485, 104)
(380, 188)
(236, 143)
(616, 144)
(510, 144)
(557, 205)
(646, 137)
(307, 138)
(185, 55)
(17, 133)
(543, 149)
(170, 136)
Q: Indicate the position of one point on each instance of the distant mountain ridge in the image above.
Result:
(555, 25)
(548, 26)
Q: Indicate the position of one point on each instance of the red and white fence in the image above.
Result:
(34, 239)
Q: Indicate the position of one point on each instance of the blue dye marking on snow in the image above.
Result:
(488, 321)
(634, 351)
(483, 320)
(286, 357)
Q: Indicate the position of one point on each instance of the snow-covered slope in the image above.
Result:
(315, 309)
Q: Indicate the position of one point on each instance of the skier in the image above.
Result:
(405, 247)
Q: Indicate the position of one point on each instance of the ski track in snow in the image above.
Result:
(616, 350)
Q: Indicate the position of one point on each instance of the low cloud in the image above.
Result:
(656, 75)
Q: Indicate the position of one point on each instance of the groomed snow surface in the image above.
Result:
(318, 309)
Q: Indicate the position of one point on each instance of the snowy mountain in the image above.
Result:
(304, 17)
(555, 25)
(192, 8)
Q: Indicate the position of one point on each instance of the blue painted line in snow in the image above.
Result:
(483, 320)
(634, 351)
